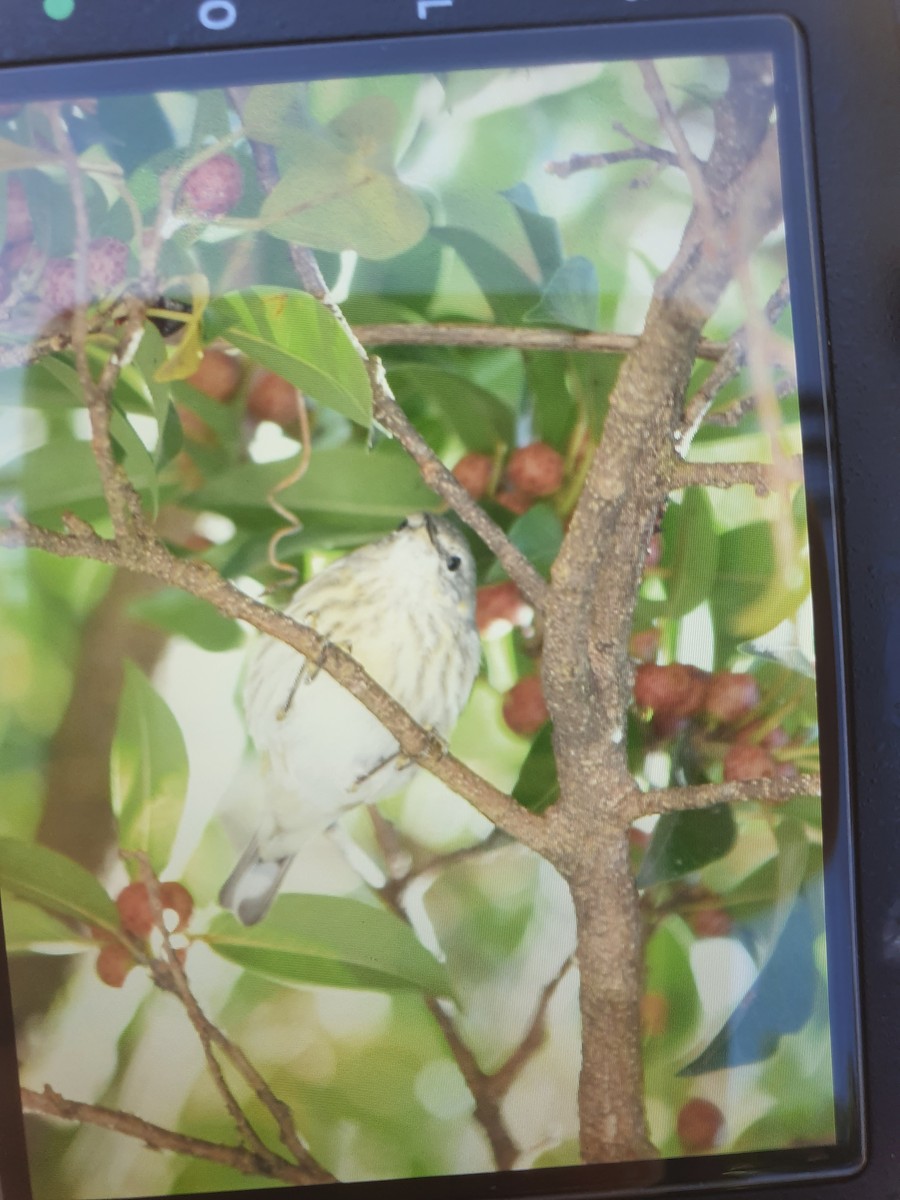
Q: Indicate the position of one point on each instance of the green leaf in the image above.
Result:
(553, 409)
(570, 298)
(134, 456)
(750, 596)
(330, 941)
(29, 930)
(357, 483)
(667, 972)
(211, 119)
(538, 533)
(295, 335)
(690, 553)
(333, 200)
(779, 1001)
(148, 770)
(507, 288)
(542, 231)
(56, 884)
(62, 475)
(537, 787)
(273, 110)
(685, 842)
(188, 617)
(480, 418)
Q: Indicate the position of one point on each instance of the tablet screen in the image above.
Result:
(496, 367)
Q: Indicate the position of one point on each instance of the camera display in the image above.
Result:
(415, 617)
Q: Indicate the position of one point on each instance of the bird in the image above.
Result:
(404, 608)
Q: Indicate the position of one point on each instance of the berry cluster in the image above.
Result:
(137, 919)
(52, 281)
(676, 694)
(530, 473)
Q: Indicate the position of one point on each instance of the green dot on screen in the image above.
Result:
(58, 10)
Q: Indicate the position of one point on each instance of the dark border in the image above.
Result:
(634, 40)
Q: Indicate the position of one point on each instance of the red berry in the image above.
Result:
(514, 501)
(218, 375)
(500, 602)
(776, 738)
(671, 691)
(113, 964)
(524, 707)
(135, 909)
(107, 265)
(474, 472)
(18, 216)
(273, 398)
(57, 285)
(643, 645)
(176, 897)
(729, 697)
(654, 1014)
(536, 470)
(745, 761)
(709, 922)
(698, 1125)
(213, 188)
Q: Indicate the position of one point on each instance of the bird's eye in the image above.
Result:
(454, 562)
(404, 524)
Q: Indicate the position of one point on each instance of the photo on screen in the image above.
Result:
(410, 714)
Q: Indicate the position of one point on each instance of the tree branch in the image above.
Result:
(50, 1103)
(517, 337)
(587, 675)
(392, 418)
(175, 980)
(738, 791)
(763, 477)
(728, 366)
(150, 557)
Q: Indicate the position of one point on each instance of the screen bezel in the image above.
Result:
(774, 35)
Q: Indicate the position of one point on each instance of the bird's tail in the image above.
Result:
(253, 884)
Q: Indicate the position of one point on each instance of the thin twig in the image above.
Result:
(464, 335)
(503, 1078)
(179, 985)
(122, 500)
(762, 477)
(444, 483)
(639, 152)
(391, 417)
(728, 366)
(687, 160)
(477, 336)
(50, 1103)
(422, 746)
(737, 791)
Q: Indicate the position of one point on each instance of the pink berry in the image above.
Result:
(107, 264)
(57, 285)
(213, 188)
(18, 216)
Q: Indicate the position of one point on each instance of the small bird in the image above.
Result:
(404, 607)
